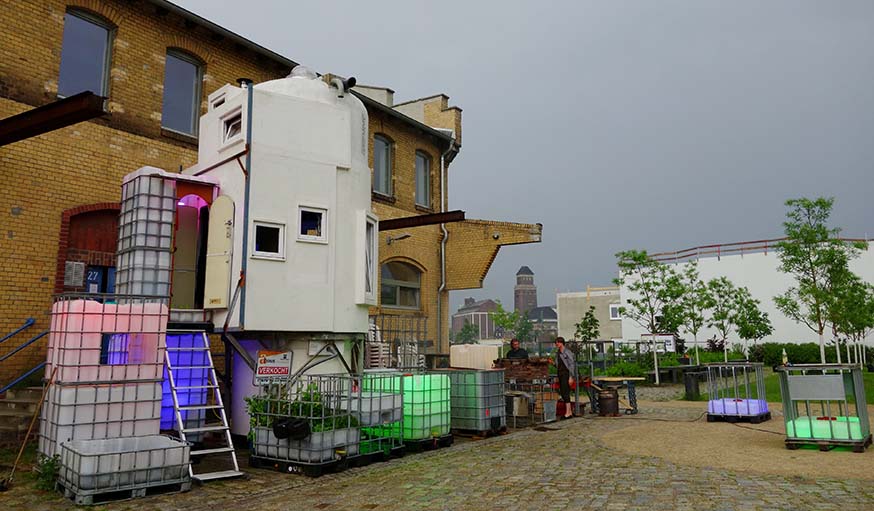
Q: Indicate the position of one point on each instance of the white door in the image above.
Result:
(219, 248)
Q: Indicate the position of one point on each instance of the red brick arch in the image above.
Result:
(64, 239)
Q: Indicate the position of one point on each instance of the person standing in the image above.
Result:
(566, 367)
(516, 351)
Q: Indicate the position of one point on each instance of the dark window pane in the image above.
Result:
(310, 223)
(267, 239)
(389, 295)
(423, 180)
(83, 57)
(381, 165)
(409, 297)
(181, 95)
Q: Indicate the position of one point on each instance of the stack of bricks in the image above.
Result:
(524, 370)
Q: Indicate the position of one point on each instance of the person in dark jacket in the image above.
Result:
(564, 364)
(516, 351)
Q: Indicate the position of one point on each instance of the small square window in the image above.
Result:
(614, 311)
(233, 127)
(269, 240)
(312, 225)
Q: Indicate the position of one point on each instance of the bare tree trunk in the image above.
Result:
(822, 347)
(697, 358)
(655, 359)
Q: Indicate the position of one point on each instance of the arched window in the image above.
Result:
(401, 283)
(85, 54)
(382, 156)
(423, 179)
(183, 74)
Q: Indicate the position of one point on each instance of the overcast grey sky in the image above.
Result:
(616, 124)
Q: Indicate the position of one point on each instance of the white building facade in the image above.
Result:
(754, 265)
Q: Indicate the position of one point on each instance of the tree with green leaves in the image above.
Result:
(589, 327)
(654, 291)
(751, 321)
(513, 324)
(818, 259)
(851, 312)
(694, 303)
(468, 334)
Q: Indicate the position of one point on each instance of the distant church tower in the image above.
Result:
(525, 292)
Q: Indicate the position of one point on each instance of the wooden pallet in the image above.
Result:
(428, 444)
(91, 497)
(827, 445)
(479, 435)
(752, 419)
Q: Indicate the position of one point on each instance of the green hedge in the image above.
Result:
(771, 353)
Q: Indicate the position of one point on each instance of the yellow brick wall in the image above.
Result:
(473, 245)
(422, 248)
(83, 164)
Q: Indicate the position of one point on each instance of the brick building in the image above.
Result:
(477, 313)
(525, 291)
(156, 64)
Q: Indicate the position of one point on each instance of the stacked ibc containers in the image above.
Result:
(107, 357)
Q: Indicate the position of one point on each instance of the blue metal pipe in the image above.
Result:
(26, 344)
(27, 324)
(23, 376)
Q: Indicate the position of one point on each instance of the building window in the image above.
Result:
(382, 152)
(84, 55)
(182, 79)
(614, 311)
(313, 224)
(423, 179)
(232, 127)
(269, 240)
(401, 283)
(370, 258)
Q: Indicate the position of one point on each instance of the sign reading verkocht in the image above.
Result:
(273, 364)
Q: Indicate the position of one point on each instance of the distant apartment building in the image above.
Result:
(572, 306)
(525, 292)
(476, 313)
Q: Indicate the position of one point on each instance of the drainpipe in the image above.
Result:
(247, 83)
(444, 204)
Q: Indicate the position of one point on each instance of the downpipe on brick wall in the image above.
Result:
(444, 204)
(245, 256)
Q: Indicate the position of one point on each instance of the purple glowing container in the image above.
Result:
(737, 392)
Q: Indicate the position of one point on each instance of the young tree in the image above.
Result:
(694, 303)
(512, 323)
(815, 255)
(589, 327)
(752, 323)
(468, 334)
(851, 312)
(654, 289)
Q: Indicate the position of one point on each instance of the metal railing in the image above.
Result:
(29, 322)
(724, 249)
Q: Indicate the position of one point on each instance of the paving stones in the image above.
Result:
(567, 468)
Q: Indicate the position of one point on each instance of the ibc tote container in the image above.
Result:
(477, 399)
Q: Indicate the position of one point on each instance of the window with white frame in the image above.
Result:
(269, 240)
(232, 127)
(370, 259)
(313, 223)
(382, 149)
(614, 311)
(181, 107)
(401, 283)
(423, 179)
(85, 54)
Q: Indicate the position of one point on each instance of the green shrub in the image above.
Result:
(626, 369)
(47, 469)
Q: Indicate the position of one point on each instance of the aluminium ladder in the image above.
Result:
(200, 351)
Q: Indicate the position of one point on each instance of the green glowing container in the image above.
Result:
(426, 406)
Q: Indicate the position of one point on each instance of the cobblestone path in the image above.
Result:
(564, 467)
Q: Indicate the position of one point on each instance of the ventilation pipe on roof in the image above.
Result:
(343, 86)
